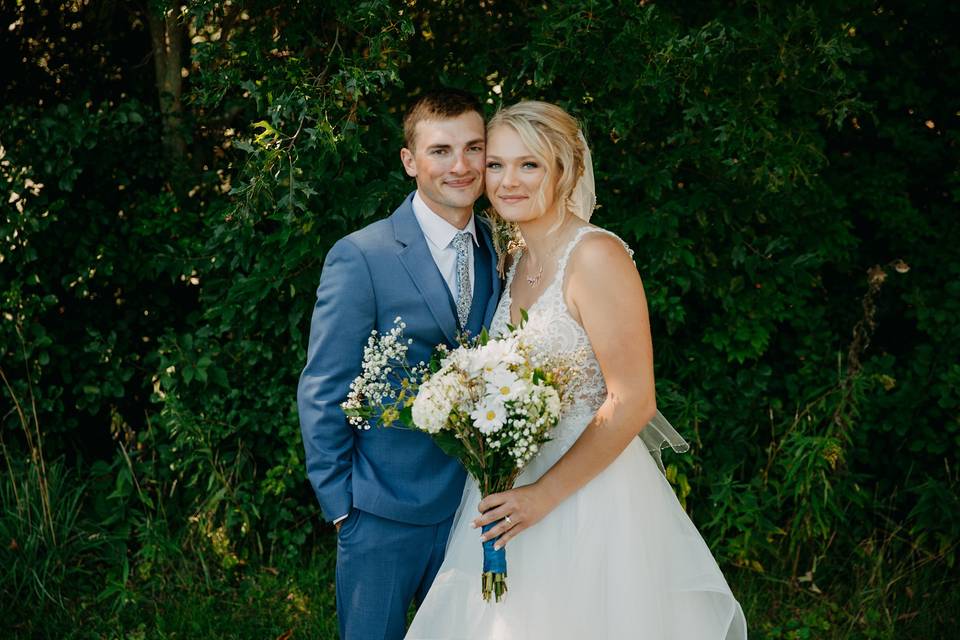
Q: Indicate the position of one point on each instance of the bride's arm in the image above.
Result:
(605, 294)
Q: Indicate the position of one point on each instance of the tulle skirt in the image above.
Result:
(617, 559)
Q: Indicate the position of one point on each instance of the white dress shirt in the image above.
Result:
(439, 234)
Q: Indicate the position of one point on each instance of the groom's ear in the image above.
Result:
(409, 162)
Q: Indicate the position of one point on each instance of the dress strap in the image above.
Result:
(577, 237)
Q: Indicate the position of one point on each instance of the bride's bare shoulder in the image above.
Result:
(601, 253)
(602, 276)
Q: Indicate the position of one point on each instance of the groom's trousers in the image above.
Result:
(382, 566)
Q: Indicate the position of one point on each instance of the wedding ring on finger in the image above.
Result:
(508, 520)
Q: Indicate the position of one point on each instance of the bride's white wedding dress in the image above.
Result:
(617, 559)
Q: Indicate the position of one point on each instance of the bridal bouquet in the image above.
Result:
(488, 403)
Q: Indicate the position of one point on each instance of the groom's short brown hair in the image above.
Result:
(437, 104)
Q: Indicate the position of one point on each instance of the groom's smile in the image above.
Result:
(447, 159)
(461, 184)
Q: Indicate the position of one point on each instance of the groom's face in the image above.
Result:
(447, 159)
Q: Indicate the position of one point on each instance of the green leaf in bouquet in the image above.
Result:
(450, 444)
(406, 415)
(484, 337)
(435, 361)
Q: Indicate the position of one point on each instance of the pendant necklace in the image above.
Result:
(533, 280)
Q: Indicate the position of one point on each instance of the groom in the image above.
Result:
(391, 492)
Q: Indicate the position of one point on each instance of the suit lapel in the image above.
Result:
(484, 226)
(416, 259)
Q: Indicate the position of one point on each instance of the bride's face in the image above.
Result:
(515, 178)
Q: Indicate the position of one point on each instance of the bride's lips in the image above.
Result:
(512, 199)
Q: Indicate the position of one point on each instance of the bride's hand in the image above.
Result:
(525, 506)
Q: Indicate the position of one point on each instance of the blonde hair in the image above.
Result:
(554, 137)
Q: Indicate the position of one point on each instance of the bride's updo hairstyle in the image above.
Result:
(554, 138)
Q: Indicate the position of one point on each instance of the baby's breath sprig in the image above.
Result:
(386, 385)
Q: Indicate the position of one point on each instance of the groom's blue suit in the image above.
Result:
(399, 489)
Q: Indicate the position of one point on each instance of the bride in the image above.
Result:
(598, 545)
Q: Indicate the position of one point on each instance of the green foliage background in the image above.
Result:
(786, 172)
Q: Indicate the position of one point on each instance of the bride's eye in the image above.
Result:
(493, 165)
(530, 165)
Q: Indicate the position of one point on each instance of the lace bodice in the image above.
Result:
(551, 330)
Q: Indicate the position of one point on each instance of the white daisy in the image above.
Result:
(489, 416)
(504, 385)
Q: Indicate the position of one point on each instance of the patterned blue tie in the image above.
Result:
(462, 243)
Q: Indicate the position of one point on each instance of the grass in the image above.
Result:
(261, 602)
(177, 601)
(67, 577)
(883, 588)
(296, 600)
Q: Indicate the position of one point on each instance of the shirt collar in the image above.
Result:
(436, 230)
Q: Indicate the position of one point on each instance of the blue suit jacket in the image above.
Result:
(369, 278)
